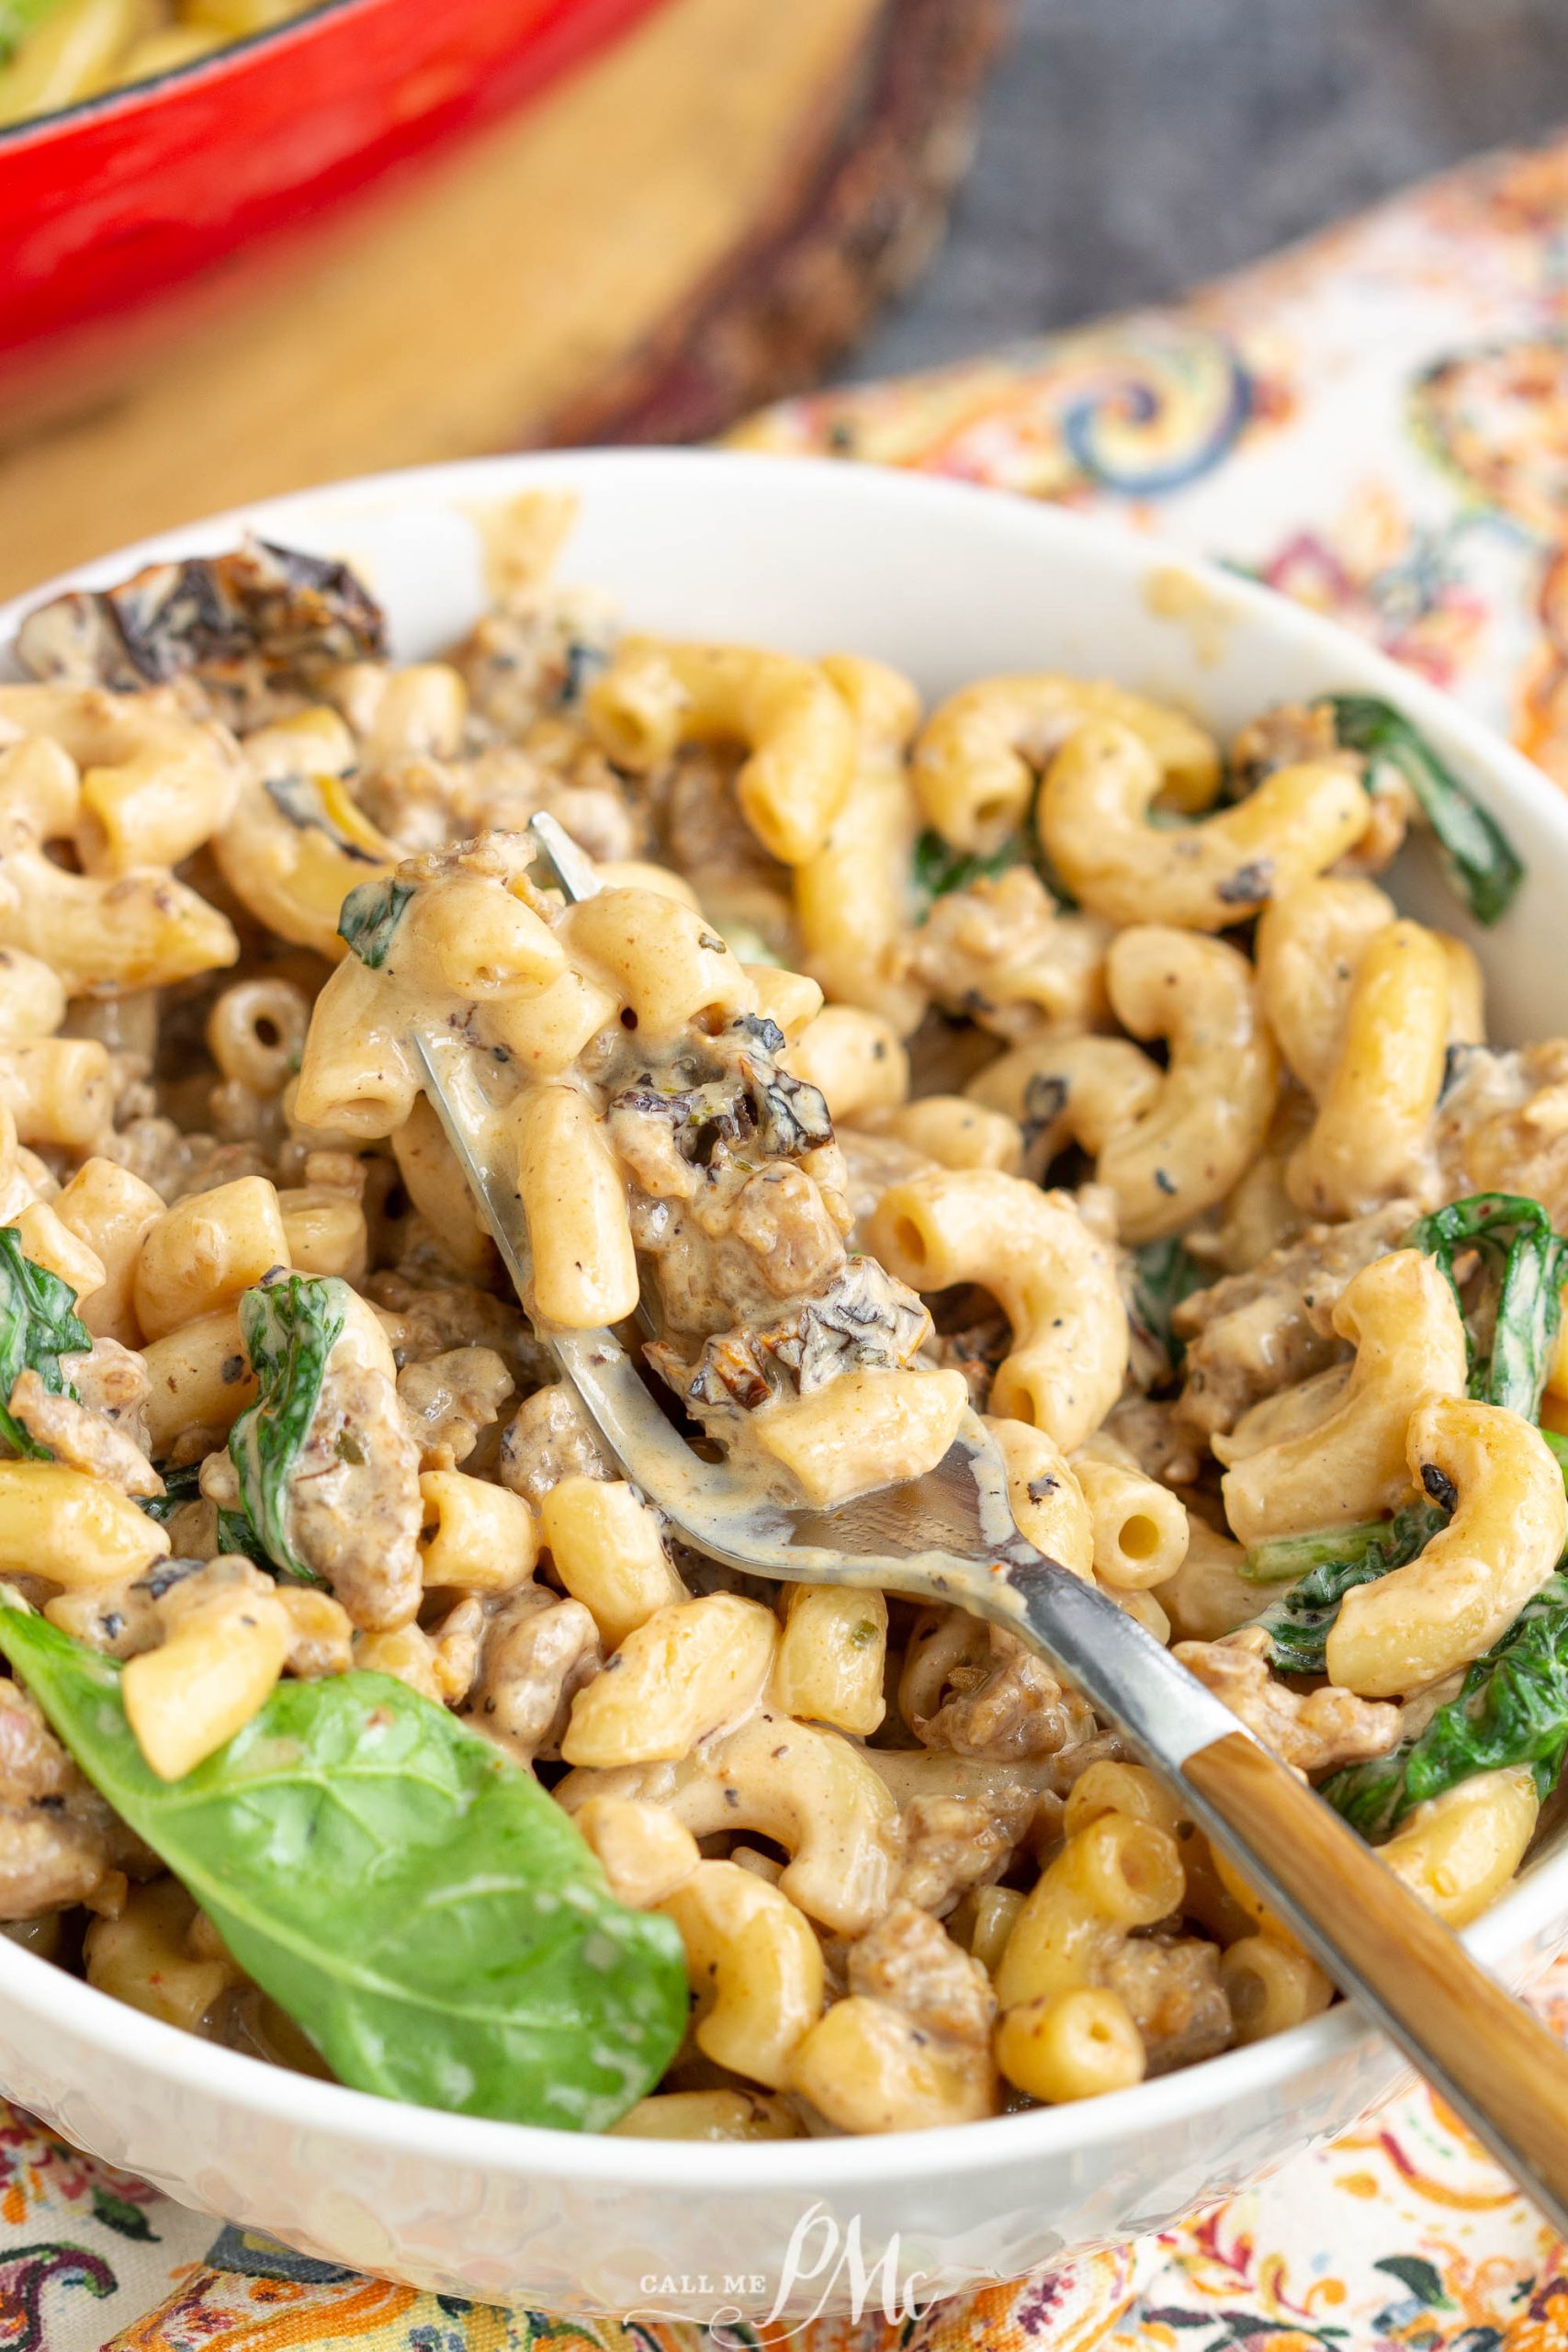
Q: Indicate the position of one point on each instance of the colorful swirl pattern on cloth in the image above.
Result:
(1376, 423)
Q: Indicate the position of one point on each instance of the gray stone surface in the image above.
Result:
(1129, 148)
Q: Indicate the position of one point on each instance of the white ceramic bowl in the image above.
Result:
(950, 582)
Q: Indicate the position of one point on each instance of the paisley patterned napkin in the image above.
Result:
(1376, 423)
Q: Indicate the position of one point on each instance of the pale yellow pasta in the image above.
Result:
(295, 847)
(1467, 1584)
(1208, 1596)
(1459, 1850)
(1310, 943)
(1093, 819)
(71, 53)
(407, 1654)
(1270, 1987)
(477, 1537)
(255, 1034)
(205, 1250)
(867, 2067)
(73, 1530)
(475, 941)
(1081, 1089)
(1076, 2044)
(980, 752)
(155, 783)
(811, 1791)
(215, 1670)
(59, 1091)
(708, 2115)
(357, 1077)
(1350, 1462)
(574, 1200)
(545, 1032)
(680, 1676)
(411, 710)
(1368, 1142)
(864, 1430)
(832, 1649)
(993, 1914)
(109, 1210)
(1209, 1119)
(1140, 1529)
(667, 966)
(790, 999)
(325, 1231)
(800, 736)
(1112, 1876)
(643, 1851)
(1054, 1279)
(1108, 1785)
(639, 874)
(851, 897)
(49, 1241)
(855, 1058)
(435, 1185)
(608, 1552)
(198, 1377)
(953, 1132)
(1044, 1495)
(755, 1966)
(104, 934)
(32, 998)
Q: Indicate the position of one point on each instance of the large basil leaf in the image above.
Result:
(290, 1326)
(412, 1898)
(39, 1324)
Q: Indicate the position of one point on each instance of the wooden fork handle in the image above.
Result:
(1498, 2067)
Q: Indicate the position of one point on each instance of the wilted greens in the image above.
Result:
(413, 1898)
(289, 1327)
(39, 1324)
(1481, 860)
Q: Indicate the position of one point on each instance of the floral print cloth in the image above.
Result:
(1377, 423)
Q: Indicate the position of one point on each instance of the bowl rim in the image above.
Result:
(1254, 2071)
(130, 97)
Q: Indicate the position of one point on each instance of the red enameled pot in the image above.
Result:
(128, 195)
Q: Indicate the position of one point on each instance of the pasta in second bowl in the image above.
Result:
(1275, 1357)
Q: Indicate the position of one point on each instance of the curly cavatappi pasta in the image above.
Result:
(1039, 1057)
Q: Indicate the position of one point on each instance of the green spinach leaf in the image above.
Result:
(412, 1898)
(371, 913)
(1163, 1276)
(181, 1486)
(1527, 1264)
(290, 1325)
(39, 1324)
(1481, 861)
(1512, 1709)
(939, 869)
(1298, 1624)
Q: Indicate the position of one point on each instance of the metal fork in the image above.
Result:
(951, 1536)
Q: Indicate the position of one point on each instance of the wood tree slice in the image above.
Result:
(701, 220)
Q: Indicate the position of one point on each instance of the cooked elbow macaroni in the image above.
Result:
(794, 1079)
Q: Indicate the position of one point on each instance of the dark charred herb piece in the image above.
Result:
(210, 614)
(1483, 863)
(39, 1324)
(1298, 1624)
(371, 913)
(1527, 1262)
(181, 1486)
(1512, 1709)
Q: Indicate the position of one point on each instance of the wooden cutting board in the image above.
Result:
(699, 221)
